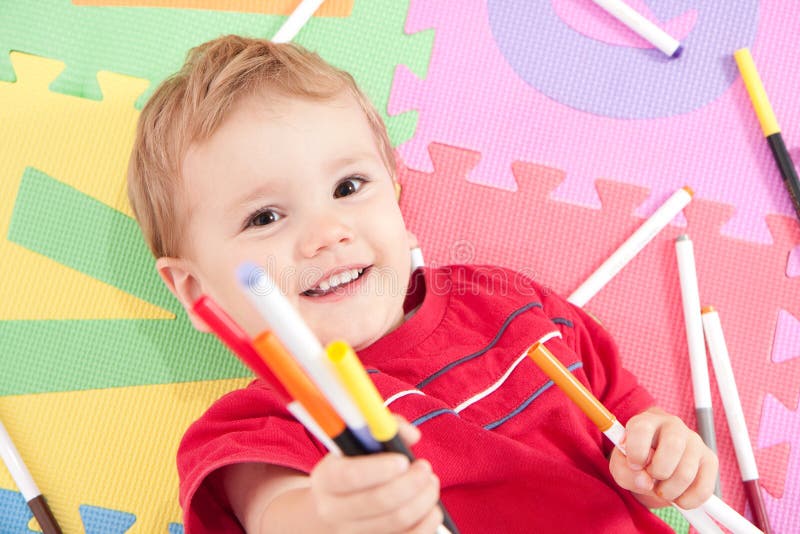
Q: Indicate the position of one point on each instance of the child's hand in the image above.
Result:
(666, 462)
(377, 493)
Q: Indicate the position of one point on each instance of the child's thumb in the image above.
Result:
(408, 432)
(636, 480)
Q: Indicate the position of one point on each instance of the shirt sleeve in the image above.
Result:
(246, 425)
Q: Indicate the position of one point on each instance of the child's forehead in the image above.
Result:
(338, 120)
(275, 105)
(267, 137)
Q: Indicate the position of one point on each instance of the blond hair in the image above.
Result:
(191, 105)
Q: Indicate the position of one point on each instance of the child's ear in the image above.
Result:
(182, 283)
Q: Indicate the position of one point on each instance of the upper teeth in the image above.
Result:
(340, 278)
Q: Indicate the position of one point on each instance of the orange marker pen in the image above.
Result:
(303, 390)
(577, 392)
(700, 518)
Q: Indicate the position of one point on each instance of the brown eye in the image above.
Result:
(264, 218)
(348, 187)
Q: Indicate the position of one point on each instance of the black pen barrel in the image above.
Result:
(786, 167)
(396, 445)
(349, 444)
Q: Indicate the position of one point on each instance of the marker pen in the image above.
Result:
(607, 423)
(382, 424)
(306, 393)
(723, 370)
(300, 341)
(237, 340)
(648, 31)
(292, 26)
(701, 387)
(769, 124)
(24, 481)
(417, 260)
(631, 247)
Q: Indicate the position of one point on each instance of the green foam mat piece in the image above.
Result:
(673, 518)
(74, 229)
(151, 43)
(63, 224)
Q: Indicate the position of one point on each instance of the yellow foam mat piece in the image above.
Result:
(87, 147)
(111, 448)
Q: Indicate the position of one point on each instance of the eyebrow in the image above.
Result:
(338, 163)
(258, 192)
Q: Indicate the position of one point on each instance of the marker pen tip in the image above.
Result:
(247, 273)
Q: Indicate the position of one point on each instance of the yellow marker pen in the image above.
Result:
(769, 124)
(380, 421)
(358, 384)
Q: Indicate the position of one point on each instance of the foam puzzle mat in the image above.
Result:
(533, 135)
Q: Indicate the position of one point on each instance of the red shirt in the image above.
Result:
(511, 450)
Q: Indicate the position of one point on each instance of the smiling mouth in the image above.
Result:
(336, 283)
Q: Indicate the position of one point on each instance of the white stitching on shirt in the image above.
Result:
(491, 389)
(396, 396)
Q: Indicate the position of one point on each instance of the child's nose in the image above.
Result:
(324, 232)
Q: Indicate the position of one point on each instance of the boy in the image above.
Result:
(263, 152)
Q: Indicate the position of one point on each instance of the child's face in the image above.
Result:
(299, 187)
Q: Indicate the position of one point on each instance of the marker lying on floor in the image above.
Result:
(382, 424)
(24, 481)
(302, 344)
(299, 17)
(299, 395)
(648, 31)
(607, 423)
(417, 260)
(769, 124)
(721, 361)
(698, 363)
(631, 247)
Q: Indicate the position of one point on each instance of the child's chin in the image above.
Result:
(357, 336)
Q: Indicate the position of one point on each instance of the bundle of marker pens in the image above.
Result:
(326, 389)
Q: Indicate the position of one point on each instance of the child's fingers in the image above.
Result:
(357, 512)
(669, 451)
(342, 475)
(636, 480)
(640, 436)
(429, 523)
(384, 499)
(673, 485)
(703, 486)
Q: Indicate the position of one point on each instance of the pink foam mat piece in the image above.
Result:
(793, 264)
(472, 98)
(787, 338)
(780, 426)
(559, 244)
